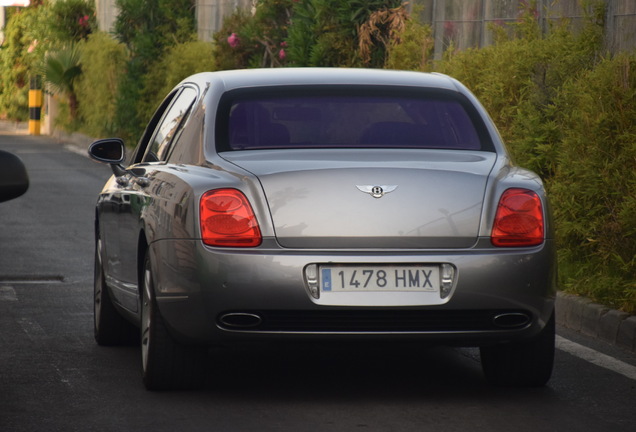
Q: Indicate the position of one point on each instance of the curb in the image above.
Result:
(590, 319)
(75, 139)
(21, 128)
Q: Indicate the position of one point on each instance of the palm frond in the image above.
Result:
(61, 69)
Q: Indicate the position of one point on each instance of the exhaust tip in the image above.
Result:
(240, 320)
(511, 320)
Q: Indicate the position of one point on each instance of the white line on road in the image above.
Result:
(76, 149)
(595, 357)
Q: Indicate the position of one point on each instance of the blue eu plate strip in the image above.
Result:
(326, 279)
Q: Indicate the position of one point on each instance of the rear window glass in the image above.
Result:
(346, 117)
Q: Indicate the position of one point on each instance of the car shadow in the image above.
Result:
(316, 371)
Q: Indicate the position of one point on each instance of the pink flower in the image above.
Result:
(283, 44)
(233, 40)
(83, 21)
(282, 54)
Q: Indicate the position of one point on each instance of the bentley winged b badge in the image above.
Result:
(377, 191)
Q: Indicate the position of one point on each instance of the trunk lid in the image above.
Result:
(326, 198)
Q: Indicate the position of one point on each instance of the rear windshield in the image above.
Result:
(348, 117)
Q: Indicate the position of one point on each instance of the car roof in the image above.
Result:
(235, 79)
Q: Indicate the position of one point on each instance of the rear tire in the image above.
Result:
(109, 327)
(525, 364)
(166, 363)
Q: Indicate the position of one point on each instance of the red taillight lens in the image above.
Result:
(519, 219)
(227, 219)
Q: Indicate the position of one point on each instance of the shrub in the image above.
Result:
(322, 33)
(414, 49)
(518, 79)
(254, 40)
(103, 62)
(316, 33)
(327, 32)
(569, 116)
(60, 71)
(595, 182)
(20, 54)
(146, 35)
(71, 21)
(31, 32)
(230, 48)
(179, 62)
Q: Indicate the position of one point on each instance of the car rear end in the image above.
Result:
(361, 206)
(367, 210)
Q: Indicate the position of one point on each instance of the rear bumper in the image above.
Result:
(211, 296)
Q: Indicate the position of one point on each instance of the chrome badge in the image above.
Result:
(377, 191)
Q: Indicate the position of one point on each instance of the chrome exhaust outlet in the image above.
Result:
(511, 320)
(240, 320)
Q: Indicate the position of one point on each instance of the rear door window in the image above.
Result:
(170, 125)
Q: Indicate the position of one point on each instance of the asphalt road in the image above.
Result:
(53, 377)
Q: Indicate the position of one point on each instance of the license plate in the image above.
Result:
(379, 278)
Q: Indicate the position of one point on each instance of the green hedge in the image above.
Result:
(103, 62)
(147, 28)
(568, 113)
(594, 186)
(20, 55)
(177, 63)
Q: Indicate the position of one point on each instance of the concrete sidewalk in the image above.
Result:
(75, 139)
(13, 127)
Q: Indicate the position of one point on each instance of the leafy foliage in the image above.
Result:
(519, 78)
(414, 48)
(60, 71)
(258, 40)
(103, 62)
(146, 28)
(382, 30)
(569, 115)
(72, 20)
(19, 56)
(595, 181)
(320, 36)
(326, 32)
(179, 62)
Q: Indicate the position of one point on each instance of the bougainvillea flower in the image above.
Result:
(233, 40)
(83, 21)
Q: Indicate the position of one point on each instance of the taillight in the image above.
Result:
(519, 219)
(227, 219)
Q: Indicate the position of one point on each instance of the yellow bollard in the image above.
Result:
(35, 106)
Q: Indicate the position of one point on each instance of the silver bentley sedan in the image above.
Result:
(322, 205)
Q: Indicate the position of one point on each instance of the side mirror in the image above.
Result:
(14, 180)
(111, 151)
